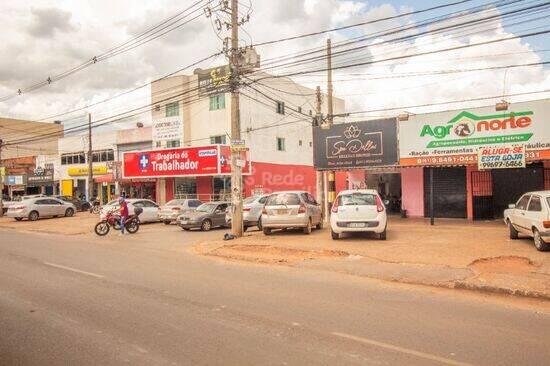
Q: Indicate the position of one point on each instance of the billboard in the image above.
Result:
(187, 161)
(356, 145)
(167, 129)
(214, 80)
(455, 137)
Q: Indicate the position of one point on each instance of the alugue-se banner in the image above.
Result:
(501, 157)
(356, 145)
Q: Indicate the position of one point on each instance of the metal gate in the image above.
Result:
(482, 192)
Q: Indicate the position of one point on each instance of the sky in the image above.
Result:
(45, 37)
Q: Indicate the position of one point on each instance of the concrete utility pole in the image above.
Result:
(90, 164)
(1, 182)
(330, 121)
(236, 169)
(320, 174)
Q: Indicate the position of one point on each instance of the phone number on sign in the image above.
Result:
(444, 160)
(502, 164)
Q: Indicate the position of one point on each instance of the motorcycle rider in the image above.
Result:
(123, 214)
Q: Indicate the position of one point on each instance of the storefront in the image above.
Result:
(77, 185)
(17, 185)
(476, 162)
(41, 182)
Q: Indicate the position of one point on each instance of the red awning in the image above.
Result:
(107, 178)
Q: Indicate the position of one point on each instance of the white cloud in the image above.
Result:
(41, 38)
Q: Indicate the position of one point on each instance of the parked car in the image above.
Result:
(35, 208)
(150, 209)
(358, 211)
(81, 205)
(252, 212)
(205, 217)
(531, 216)
(170, 211)
(291, 209)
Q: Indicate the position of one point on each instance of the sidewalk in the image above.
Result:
(451, 254)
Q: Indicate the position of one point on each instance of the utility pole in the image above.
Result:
(1, 182)
(236, 169)
(90, 164)
(330, 121)
(320, 174)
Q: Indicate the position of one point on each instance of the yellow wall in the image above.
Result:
(67, 187)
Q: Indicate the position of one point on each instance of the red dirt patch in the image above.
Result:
(505, 264)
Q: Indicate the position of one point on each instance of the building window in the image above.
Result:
(281, 107)
(299, 142)
(218, 140)
(280, 144)
(173, 143)
(103, 156)
(217, 102)
(73, 158)
(299, 109)
(172, 109)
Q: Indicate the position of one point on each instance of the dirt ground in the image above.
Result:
(453, 253)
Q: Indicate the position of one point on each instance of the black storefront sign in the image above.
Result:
(40, 178)
(214, 81)
(356, 145)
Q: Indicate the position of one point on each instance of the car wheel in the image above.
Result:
(307, 229)
(319, 225)
(18, 218)
(33, 216)
(539, 243)
(335, 236)
(266, 230)
(382, 235)
(69, 212)
(513, 231)
(167, 222)
(206, 225)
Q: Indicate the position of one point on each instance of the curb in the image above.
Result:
(501, 290)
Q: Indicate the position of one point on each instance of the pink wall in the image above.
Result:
(204, 188)
(341, 181)
(412, 187)
(280, 177)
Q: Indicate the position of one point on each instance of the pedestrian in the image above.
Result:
(123, 214)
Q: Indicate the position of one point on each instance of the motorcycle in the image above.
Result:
(112, 219)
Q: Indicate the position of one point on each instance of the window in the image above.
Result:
(283, 199)
(103, 156)
(158, 144)
(262, 200)
(281, 107)
(73, 158)
(299, 142)
(217, 102)
(173, 143)
(308, 198)
(172, 109)
(357, 199)
(280, 144)
(522, 203)
(535, 204)
(217, 139)
(41, 202)
(194, 203)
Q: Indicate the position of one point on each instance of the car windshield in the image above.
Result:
(249, 200)
(174, 203)
(358, 199)
(207, 207)
(283, 199)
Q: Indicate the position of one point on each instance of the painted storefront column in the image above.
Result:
(412, 188)
(204, 188)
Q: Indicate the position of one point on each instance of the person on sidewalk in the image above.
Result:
(123, 214)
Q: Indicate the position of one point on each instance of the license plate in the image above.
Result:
(183, 222)
(282, 212)
(356, 224)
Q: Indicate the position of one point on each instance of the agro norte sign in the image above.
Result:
(356, 145)
(455, 137)
(188, 161)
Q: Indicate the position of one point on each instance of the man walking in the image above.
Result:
(123, 214)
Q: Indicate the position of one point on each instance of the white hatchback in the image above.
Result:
(531, 216)
(358, 211)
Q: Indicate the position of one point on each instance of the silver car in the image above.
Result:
(35, 208)
(252, 211)
(291, 209)
(170, 211)
(205, 217)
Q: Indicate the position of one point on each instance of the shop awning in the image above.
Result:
(107, 178)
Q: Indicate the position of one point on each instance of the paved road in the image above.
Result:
(81, 300)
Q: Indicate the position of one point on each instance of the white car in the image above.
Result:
(531, 216)
(252, 211)
(358, 211)
(150, 209)
(36, 208)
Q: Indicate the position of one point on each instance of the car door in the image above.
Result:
(534, 214)
(519, 219)
(57, 207)
(218, 217)
(258, 206)
(43, 207)
(316, 208)
(151, 210)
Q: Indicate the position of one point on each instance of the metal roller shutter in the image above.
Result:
(449, 192)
